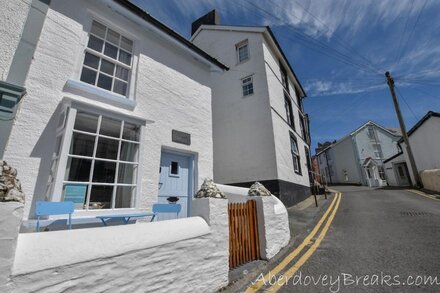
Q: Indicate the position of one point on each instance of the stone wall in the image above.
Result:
(183, 255)
(431, 179)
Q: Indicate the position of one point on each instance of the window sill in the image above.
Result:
(93, 92)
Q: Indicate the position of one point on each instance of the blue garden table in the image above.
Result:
(124, 217)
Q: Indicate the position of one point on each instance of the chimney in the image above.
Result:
(211, 17)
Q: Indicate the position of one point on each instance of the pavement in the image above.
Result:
(368, 240)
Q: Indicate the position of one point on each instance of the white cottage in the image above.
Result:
(117, 114)
(424, 138)
(259, 125)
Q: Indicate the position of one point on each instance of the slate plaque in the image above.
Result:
(181, 137)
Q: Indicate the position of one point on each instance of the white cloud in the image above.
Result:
(328, 88)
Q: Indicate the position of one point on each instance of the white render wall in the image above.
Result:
(171, 88)
(13, 15)
(242, 126)
(425, 142)
(390, 170)
(281, 129)
(183, 255)
(345, 162)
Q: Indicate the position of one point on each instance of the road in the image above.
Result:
(378, 241)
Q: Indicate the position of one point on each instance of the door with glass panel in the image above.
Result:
(102, 162)
(175, 181)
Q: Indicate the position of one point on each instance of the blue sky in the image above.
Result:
(319, 37)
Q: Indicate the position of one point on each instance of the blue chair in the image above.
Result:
(48, 208)
(166, 208)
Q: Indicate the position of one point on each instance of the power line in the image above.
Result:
(336, 36)
(403, 33)
(412, 31)
(406, 103)
(306, 38)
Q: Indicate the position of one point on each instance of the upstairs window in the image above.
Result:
(108, 60)
(377, 151)
(295, 154)
(289, 111)
(284, 78)
(247, 86)
(242, 51)
(371, 133)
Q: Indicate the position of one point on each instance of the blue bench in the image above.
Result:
(49, 208)
(159, 208)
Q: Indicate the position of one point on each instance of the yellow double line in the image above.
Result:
(281, 280)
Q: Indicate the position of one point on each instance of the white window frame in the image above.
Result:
(240, 45)
(377, 148)
(243, 84)
(371, 133)
(59, 180)
(101, 56)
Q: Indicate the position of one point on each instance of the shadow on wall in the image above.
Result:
(43, 149)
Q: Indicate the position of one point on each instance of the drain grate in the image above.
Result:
(414, 213)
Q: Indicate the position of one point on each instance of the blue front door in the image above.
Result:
(175, 180)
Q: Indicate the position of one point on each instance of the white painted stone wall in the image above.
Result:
(431, 179)
(169, 86)
(183, 255)
(13, 15)
(273, 222)
(390, 170)
(11, 214)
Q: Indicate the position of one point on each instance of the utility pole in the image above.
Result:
(412, 162)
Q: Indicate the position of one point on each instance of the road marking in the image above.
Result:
(255, 287)
(289, 273)
(422, 194)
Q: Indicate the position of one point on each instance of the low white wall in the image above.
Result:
(183, 255)
(273, 221)
(431, 179)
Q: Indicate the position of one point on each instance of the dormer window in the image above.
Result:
(242, 51)
(108, 60)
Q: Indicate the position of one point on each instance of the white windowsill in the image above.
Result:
(96, 93)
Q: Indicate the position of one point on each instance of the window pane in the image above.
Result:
(243, 53)
(101, 197)
(95, 43)
(104, 171)
(107, 67)
(131, 132)
(105, 82)
(98, 29)
(113, 37)
(125, 57)
(174, 169)
(122, 73)
(88, 76)
(126, 44)
(91, 60)
(110, 50)
(78, 169)
(120, 87)
(124, 197)
(107, 148)
(76, 193)
(126, 173)
(110, 127)
(82, 144)
(86, 122)
(129, 152)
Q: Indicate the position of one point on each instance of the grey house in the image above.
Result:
(358, 157)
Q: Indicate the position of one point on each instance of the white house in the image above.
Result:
(259, 125)
(358, 157)
(117, 113)
(424, 138)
